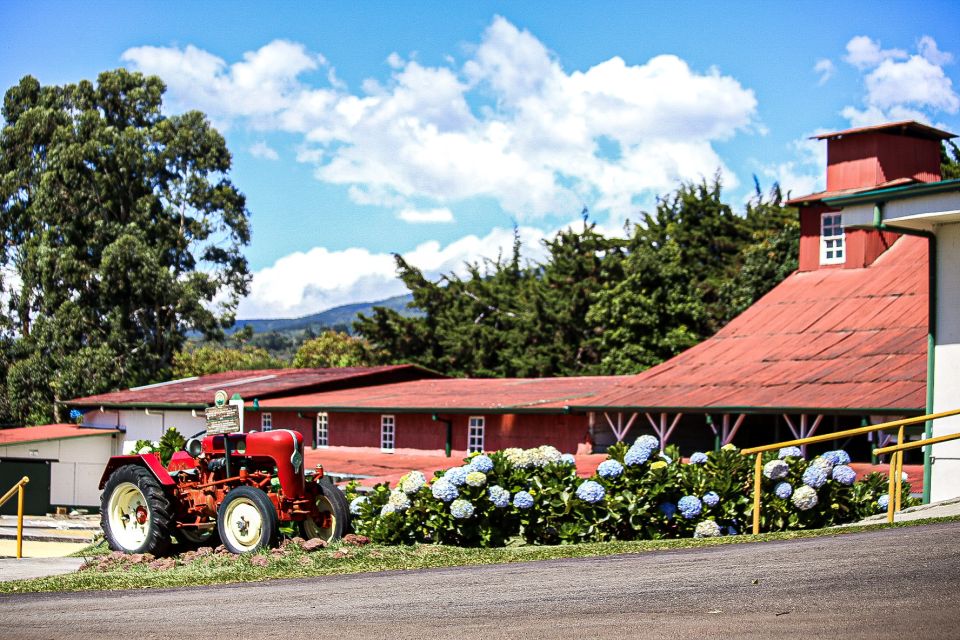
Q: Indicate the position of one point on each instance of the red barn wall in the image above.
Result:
(420, 431)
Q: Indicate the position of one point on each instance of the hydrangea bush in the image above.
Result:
(638, 492)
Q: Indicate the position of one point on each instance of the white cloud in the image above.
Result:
(307, 282)
(261, 149)
(901, 86)
(825, 68)
(806, 171)
(441, 214)
(510, 123)
(864, 53)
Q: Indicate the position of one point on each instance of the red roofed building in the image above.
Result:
(147, 412)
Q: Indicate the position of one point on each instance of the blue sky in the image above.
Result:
(431, 129)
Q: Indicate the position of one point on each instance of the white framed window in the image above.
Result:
(475, 434)
(388, 433)
(323, 431)
(831, 239)
(266, 422)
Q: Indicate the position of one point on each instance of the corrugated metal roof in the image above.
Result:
(498, 395)
(263, 383)
(904, 126)
(832, 339)
(24, 435)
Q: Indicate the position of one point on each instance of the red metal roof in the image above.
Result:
(500, 395)
(823, 195)
(262, 383)
(904, 126)
(23, 435)
(831, 339)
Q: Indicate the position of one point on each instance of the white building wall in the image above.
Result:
(945, 479)
(149, 424)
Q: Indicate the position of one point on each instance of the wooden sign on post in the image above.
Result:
(222, 418)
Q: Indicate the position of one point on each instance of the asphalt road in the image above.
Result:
(883, 584)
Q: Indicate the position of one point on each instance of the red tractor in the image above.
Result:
(240, 488)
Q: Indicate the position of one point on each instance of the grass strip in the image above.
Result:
(340, 560)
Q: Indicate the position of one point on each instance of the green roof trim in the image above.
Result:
(894, 193)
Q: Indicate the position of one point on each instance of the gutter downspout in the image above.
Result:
(931, 237)
(448, 448)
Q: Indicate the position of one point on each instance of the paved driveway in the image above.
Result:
(882, 584)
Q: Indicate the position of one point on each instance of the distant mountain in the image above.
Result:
(337, 316)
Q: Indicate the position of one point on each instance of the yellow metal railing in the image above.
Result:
(17, 489)
(896, 460)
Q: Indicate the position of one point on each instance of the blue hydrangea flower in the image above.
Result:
(815, 475)
(844, 475)
(668, 509)
(522, 500)
(707, 529)
(776, 469)
(610, 469)
(666, 458)
(444, 490)
(476, 479)
(357, 503)
(783, 490)
(647, 442)
(481, 463)
(461, 509)
(568, 458)
(412, 482)
(499, 496)
(387, 509)
(456, 476)
(883, 502)
(698, 457)
(590, 491)
(826, 463)
(75, 414)
(711, 499)
(636, 455)
(732, 531)
(790, 452)
(805, 498)
(689, 507)
(838, 456)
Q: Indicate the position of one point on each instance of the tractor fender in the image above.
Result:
(150, 461)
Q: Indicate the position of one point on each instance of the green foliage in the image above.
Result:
(638, 503)
(331, 349)
(168, 444)
(199, 361)
(949, 160)
(122, 228)
(596, 305)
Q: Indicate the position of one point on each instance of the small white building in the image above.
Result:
(63, 461)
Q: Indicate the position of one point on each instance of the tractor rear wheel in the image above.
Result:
(247, 520)
(334, 522)
(135, 512)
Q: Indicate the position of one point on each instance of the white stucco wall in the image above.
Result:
(945, 480)
(140, 425)
(77, 467)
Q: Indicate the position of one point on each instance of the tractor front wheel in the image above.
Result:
(247, 520)
(135, 512)
(334, 521)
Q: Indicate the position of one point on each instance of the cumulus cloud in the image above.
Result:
(261, 149)
(825, 68)
(307, 282)
(901, 86)
(416, 216)
(509, 123)
(805, 172)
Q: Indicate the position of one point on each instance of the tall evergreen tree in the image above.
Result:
(121, 228)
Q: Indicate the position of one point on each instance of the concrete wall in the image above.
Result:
(77, 467)
(945, 481)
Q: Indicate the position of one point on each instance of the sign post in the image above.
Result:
(224, 418)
